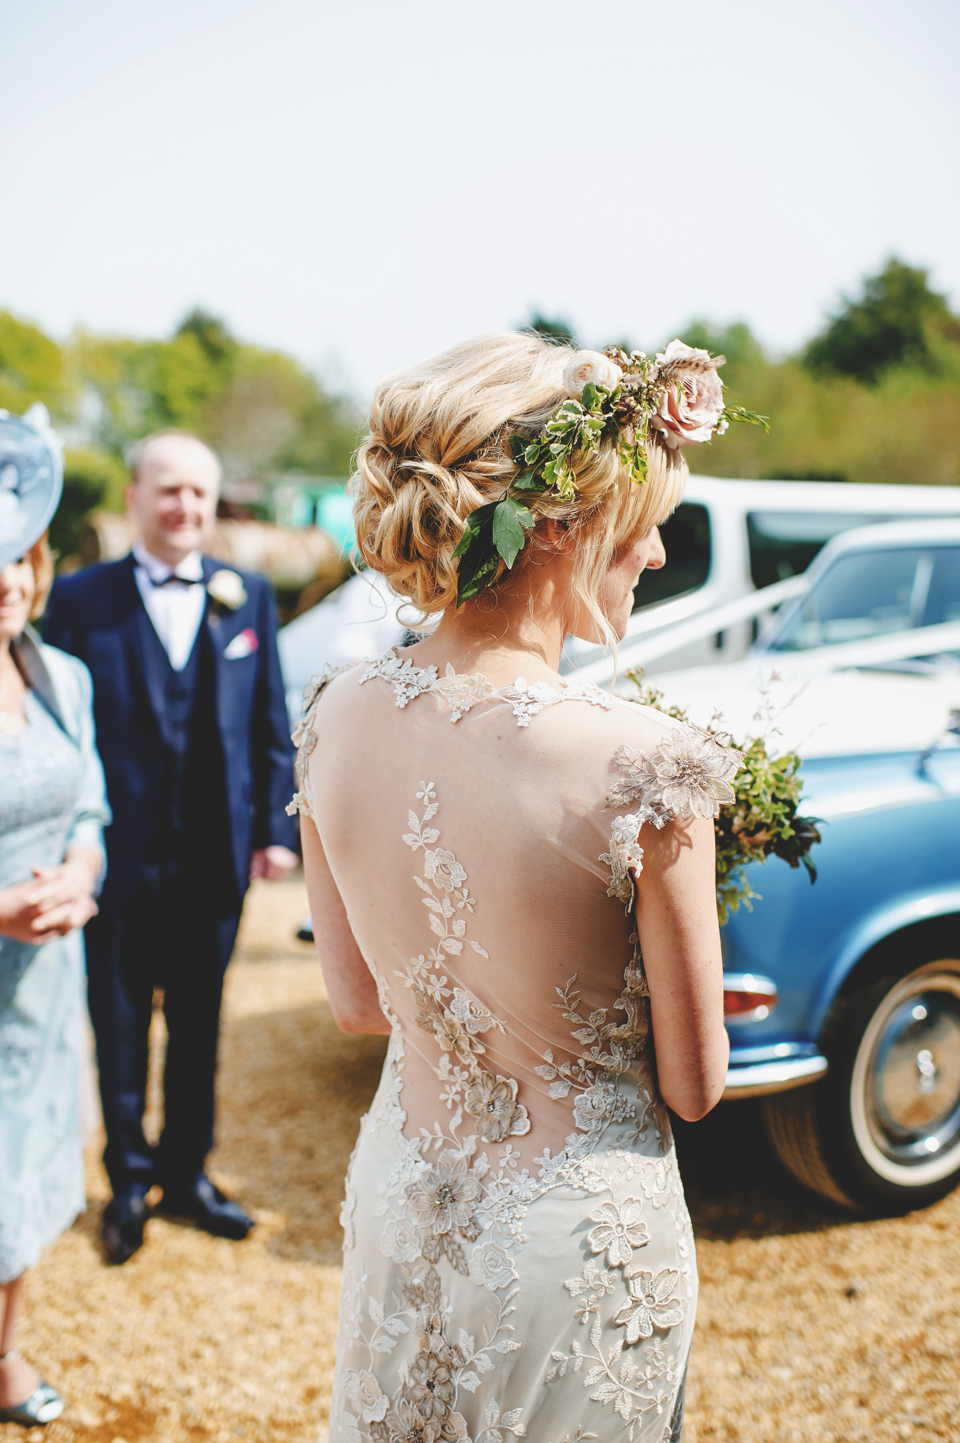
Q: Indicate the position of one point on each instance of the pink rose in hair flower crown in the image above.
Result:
(691, 407)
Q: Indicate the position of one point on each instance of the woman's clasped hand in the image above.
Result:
(53, 902)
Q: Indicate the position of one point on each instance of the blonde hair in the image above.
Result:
(438, 447)
(41, 559)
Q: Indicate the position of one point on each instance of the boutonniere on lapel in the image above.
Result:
(227, 591)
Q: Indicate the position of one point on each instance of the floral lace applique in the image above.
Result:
(453, 1015)
(687, 776)
(461, 692)
(453, 1204)
(406, 679)
(458, 1196)
(527, 701)
(305, 739)
(624, 857)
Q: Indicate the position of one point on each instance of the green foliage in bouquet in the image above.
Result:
(762, 822)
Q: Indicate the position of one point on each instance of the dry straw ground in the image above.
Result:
(813, 1327)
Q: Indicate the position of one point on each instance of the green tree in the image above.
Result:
(212, 335)
(272, 416)
(261, 410)
(32, 368)
(92, 481)
(737, 342)
(898, 321)
(144, 386)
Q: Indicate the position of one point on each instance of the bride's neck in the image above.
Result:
(506, 631)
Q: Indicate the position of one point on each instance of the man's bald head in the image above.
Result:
(173, 491)
(172, 444)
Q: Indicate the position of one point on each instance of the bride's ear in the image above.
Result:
(557, 534)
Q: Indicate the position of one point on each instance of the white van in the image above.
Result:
(728, 539)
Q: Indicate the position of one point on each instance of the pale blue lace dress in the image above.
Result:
(51, 796)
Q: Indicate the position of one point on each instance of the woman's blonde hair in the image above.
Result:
(438, 447)
(41, 559)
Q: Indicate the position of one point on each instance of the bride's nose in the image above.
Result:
(658, 554)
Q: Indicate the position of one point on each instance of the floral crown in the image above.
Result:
(674, 400)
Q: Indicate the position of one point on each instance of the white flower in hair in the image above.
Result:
(589, 368)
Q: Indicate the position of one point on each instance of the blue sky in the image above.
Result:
(363, 184)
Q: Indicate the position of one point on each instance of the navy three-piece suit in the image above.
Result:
(198, 765)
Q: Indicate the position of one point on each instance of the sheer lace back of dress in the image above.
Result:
(588, 1030)
(487, 871)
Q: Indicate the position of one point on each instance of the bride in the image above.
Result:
(512, 874)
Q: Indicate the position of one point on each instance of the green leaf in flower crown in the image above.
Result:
(588, 396)
(634, 457)
(517, 448)
(527, 482)
(479, 560)
(477, 522)
(477, 570)
(558, 474)
(509, 520)
(749, 418)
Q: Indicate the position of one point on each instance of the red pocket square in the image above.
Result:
(244, 644)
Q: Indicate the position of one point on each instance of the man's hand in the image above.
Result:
(273, 863)
(53, 902)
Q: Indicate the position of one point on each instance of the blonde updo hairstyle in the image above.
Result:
(438, 447)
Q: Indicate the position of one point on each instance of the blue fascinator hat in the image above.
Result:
(31, 479)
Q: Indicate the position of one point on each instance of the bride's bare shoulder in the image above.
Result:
(331, 681)
(619, 722)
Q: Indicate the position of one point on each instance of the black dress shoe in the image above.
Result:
(122, 1226)
(208, 1207)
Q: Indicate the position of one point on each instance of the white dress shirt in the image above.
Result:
(176, 610)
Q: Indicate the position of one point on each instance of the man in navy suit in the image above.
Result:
(192, 729)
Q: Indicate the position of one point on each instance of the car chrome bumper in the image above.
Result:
(755, 1079)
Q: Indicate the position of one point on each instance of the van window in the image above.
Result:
(943, 593)
(783, 543)
(686, 539)
(868, 593)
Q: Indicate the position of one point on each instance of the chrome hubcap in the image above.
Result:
(907, 1078)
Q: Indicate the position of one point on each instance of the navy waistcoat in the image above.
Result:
(193, 811)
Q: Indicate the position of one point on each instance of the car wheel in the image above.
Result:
(881, 1130)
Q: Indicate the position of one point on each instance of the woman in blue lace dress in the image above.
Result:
(52, 810)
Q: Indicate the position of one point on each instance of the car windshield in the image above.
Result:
(783, 543)
(869, 593)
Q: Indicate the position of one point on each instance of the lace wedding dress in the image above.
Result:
(518, 1259)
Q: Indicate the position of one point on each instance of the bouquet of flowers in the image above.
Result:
(762, 821)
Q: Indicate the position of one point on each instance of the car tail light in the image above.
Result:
(748, 997)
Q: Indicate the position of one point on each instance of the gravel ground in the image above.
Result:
(812, 1328)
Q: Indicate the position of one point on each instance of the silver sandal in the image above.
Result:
(41, 1406)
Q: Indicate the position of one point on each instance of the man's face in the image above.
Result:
(173, 502)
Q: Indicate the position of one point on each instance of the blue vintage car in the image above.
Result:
(843, 998)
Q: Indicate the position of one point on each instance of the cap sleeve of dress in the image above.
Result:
(687, 775)
(305, 739)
